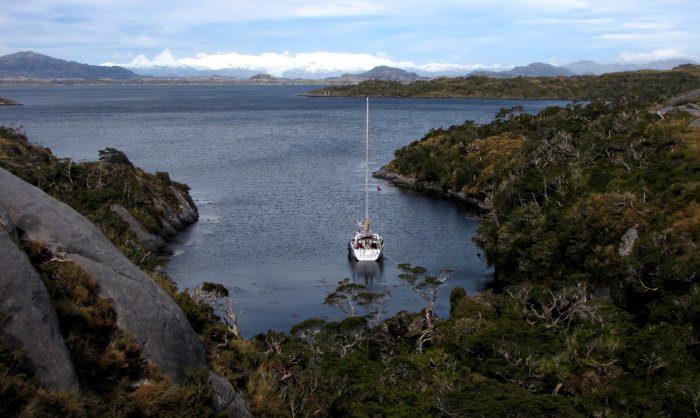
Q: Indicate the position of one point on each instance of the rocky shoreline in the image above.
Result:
(432, 188)
(8, 102)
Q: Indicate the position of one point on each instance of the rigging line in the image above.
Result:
(367, 159)
(297, 255)
(256, 279)
(390, 258)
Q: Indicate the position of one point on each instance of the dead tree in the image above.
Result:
(221, 303)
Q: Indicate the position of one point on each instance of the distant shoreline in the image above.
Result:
(554, 99)
(59, 83)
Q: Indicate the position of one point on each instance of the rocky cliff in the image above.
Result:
(94, 261)
(143, 309)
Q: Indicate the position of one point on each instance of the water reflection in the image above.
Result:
(366, 271)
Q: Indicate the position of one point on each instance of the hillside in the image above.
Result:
(32, 65)
(643, 84)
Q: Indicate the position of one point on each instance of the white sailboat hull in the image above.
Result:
(366, 255)
(366, 248)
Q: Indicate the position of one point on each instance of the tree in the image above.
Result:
(348, 297)
(217, 297)
(428, 288)
(114, 156)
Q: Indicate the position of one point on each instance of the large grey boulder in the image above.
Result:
(143, 309)
(32, 323)
(226, 399)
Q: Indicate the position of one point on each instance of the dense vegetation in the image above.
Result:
(639, 84)
(590, 218)
(591, 222)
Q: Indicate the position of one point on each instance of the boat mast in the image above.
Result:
(367, 164)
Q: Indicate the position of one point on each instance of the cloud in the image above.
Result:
(279, 63)
(649, 39)
(659, 54)
(164, 59)
(138, 40)
(432, 34)
(558, 5)
(338, 8)
(621, 36)
(647, 25)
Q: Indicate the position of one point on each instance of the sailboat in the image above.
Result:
(366, 245)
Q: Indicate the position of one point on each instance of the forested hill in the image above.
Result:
(649, 85)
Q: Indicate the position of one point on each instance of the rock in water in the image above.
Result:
(32, 323)
(143, 309)
(177, 217)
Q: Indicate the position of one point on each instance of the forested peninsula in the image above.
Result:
(590, 218)
(637, 84)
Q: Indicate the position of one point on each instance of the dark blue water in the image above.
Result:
(278, 179)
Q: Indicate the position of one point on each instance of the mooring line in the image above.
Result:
(391, 258)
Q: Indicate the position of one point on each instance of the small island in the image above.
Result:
(8, 102)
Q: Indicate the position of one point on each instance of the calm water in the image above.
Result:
(278, 179)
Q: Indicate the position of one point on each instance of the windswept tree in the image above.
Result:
(350, 298)
(428, 288)
(217, 297)
(114, 156)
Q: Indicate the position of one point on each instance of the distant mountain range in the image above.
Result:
(386, 73)
(381, 72)
(591, 67)
(32, 65)
(536, 69)
(539, 69)
(184, 71)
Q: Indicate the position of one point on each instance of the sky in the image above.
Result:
(281, 35)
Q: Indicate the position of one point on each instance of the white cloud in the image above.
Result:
(621, 36)
(659, 54)
(278, 63)
(647, 25)
(139, 40)
(164, 59)
(558, 5)
(338, 8)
